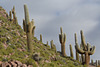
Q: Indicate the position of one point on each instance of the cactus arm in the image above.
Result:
(78, 49)
(92, 51)
(64, 37)
(26, 13)
(83, 40)
(24, 25)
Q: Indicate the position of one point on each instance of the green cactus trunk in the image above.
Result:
(82, 57)
(62, 39)
(71, 51)
(28, 28)
(40, 37)
(29, 42)
(10, 15)
(53, 47)
(77, 56)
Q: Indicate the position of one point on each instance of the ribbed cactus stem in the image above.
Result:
(71, 51)
(41, 37)
(92, 61)
(14, 15)
(47, 42)
(96, 63)
(51, 42)
(26, 14)
(77, 54)
(53, 47)
(83, 40)
(10, 15)
(62, 39)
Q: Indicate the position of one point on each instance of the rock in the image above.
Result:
(30, 66)
(36, 57)
(12, 64)
(18, 63)
(24, 65)
(6, 64)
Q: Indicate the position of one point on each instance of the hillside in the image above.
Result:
(13, 46)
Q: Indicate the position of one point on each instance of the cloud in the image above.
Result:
(50, 15)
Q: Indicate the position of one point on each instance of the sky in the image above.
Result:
(71, 15)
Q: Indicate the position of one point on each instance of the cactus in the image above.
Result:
(47, 42)
(71, 51)
(96, 63)
(28, 28)
(53, 47)
(82, 56)
(62, 39)
(77, 54)
(87, 50)
(10, 16)
(14, 15)
(92, 61)
(40, 37)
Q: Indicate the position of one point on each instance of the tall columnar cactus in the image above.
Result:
(14, 15)
(10, 15)
(71, 51)
(62, 39)
(77, 54)
(41, 37)
(53, 47)
(28, 28)
(87, 49)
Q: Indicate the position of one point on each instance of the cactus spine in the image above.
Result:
(28, 28)
(87, 49)
(62, 39)
(71, 51)
(41, 37)
(77, 54)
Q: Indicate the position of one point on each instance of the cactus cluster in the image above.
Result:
(28, 28)
(14, 15)
(62, 39)
(86, 49)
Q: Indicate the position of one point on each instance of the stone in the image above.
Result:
(24, 65)
(6, 64)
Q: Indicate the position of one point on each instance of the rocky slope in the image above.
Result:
(13, 47)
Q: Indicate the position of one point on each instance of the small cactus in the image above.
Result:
(53, 47)
(62, 39)
(41, 37)
(14, 15)
(87, 50)
(92, 61)
(10, 15)
(71, 51)
(47, 42)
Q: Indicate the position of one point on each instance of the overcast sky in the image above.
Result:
(71, 15)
